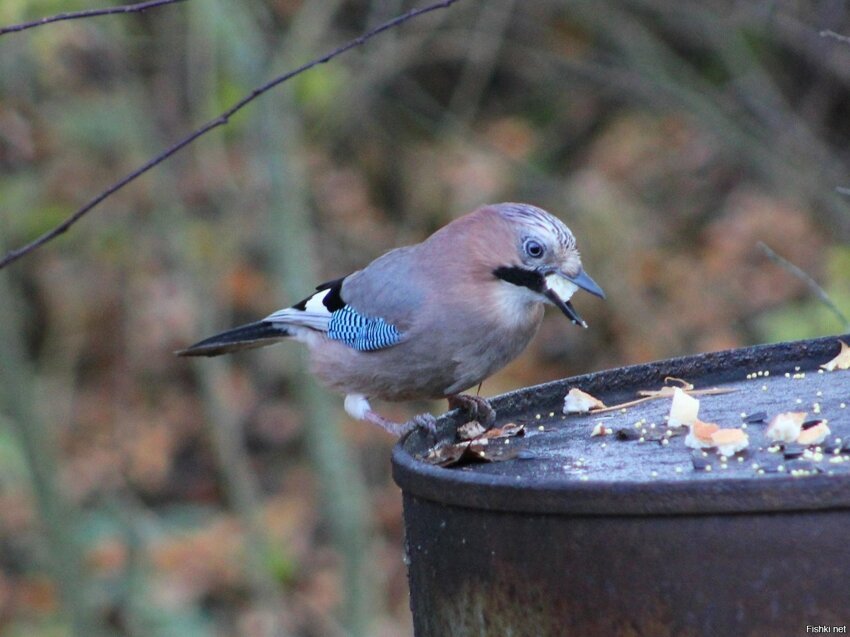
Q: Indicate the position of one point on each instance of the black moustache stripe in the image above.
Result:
(520, 276)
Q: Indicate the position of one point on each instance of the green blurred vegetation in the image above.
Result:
(143, 495)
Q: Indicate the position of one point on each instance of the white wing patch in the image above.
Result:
(314, 315)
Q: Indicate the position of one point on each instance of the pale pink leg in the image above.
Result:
(399, 429)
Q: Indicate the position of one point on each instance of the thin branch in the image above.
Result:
(221, 120)
(813, 286)
(835, 36)
(87, 13)
(841, 190)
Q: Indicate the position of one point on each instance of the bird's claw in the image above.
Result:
(420, 421)
(477, 408)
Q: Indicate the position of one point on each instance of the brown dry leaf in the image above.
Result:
(445, 454)
(470, 430)
(508, 430)
(842, 361)
(578, 402)
(492, 452)
(785, 427)
(492, 445)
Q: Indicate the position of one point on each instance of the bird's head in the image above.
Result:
(544, 258)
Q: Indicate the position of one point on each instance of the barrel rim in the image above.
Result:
(596, 497)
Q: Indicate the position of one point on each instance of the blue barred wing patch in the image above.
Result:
(363, 333)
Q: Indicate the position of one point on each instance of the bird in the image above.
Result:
(433, 319)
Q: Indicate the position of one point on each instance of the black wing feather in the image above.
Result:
(247, 336)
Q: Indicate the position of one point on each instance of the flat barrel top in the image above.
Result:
(639, 468)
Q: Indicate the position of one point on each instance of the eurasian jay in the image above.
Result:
(432, 319)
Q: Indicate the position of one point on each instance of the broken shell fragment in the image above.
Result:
(600, 430)
(842, 361)
(683, 410)
(699, 435)
(578, 402)
(730, 441)
(814, 435)
(785, 427)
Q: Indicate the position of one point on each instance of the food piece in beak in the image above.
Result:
(560, 288)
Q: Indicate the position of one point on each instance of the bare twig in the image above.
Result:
(827, 33)
(87, 13)
(841, 190)
(221, 120)
(813, 285)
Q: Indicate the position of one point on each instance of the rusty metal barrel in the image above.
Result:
(635, 533)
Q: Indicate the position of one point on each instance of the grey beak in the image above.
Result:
(583, 280)
(566, 307)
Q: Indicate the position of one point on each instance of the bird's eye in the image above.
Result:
(534, 249)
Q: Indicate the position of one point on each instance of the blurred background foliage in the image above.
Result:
(141, 494)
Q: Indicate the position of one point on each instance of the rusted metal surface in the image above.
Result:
(593, 536)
